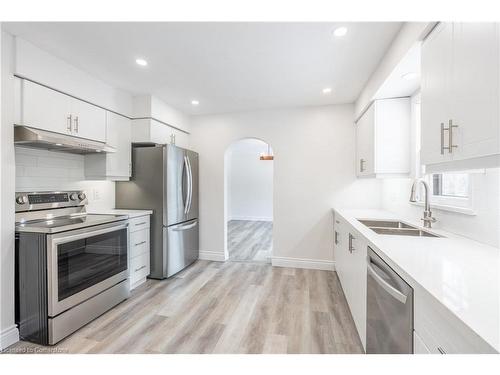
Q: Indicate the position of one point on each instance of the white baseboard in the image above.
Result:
(313, 264)
(251, 218)
(212, 255)
(8, 337)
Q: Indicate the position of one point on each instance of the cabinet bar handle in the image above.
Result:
(336, 238)
(450, 136)
(351, 248)
(442, 139)
(141, 223)
(361, 165)
(68, 126)
(76, 124)
(140, 268)
(140, 243)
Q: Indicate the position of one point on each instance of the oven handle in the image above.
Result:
(386, 286)
(91, 233)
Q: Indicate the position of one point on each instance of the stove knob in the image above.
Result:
(22, 199)
(82, 196)
(73, 196)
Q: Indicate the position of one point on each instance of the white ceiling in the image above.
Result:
(226, 66)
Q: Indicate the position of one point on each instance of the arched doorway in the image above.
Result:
(248, 200)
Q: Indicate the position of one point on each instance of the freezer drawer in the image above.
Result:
(389, 326)
(182, 245)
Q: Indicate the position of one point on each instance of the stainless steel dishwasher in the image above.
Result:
(389, 327)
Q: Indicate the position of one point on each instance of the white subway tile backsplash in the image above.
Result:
(46, 172)
(43, 170)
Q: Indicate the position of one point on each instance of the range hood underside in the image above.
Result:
(35, 138)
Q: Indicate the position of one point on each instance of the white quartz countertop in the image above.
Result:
(130, 213)
(464, 275)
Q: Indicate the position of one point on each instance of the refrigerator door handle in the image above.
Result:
(190, 190)
(186, 201)
(185, 226)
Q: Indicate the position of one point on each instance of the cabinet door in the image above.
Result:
(181, 138)
(419, 346)
(341, 252)
(89, 121)
(44, 108)
(118, 135)
(365, 152)
(474, 85)
(435, 93)
(357, 276)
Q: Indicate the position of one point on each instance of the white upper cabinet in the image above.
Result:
(117, 165)
(460, 94)
(89, 121)
(383, 139)
(435, 92)
(47, 109)
(151, 130)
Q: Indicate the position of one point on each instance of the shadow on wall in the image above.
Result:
(248, 182)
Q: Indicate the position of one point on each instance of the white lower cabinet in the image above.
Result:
(139, 250)
(350, 263)
(436, 329)
(442, 332)
(419, 346)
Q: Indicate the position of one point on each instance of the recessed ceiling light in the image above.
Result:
(409, 76)
(340, 31)
(327, 90)
(195, 102)
(58, 144)
(141, 62)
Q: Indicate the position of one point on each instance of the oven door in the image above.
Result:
(83, 263)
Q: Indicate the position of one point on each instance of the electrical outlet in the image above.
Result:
(96, 194)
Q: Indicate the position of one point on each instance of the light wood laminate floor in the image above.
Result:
(249, 240)
(232, 307)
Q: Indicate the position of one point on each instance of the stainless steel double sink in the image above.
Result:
(395, 228)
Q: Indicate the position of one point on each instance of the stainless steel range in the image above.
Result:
(71, 266)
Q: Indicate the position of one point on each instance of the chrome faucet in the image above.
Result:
(428, 219)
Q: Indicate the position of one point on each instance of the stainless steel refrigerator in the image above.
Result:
(165, 180)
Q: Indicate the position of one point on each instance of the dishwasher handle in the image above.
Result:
(385, 285)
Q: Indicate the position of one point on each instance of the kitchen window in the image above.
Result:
(450, 191)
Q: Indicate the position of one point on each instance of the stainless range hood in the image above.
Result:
(36, 138)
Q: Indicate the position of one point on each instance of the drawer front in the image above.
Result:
(139, 242)
(441, 331)
(139, 267)
(138, 223)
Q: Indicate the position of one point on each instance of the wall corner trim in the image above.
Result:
(313, 264)
(8, 337)
(215, 256)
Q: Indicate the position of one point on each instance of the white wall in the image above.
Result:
(250, 181)
(42, 170)
(8, 330)
(313, 172)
